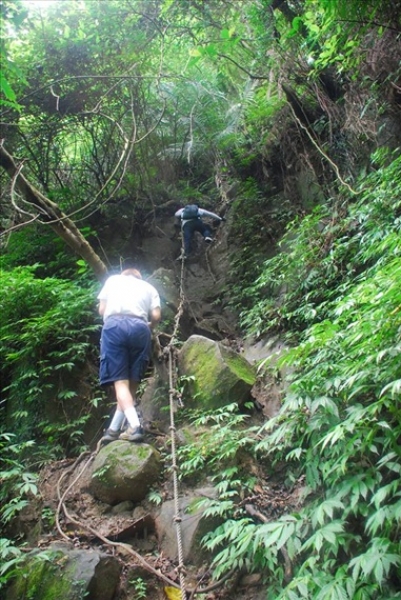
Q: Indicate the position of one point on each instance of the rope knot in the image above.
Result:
(180, 569)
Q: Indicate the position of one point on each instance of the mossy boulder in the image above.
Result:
(66, 573)
(124, 471)
(221, 375)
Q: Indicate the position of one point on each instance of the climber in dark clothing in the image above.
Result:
(190, 218)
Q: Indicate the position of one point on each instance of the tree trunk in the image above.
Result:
(55, 218)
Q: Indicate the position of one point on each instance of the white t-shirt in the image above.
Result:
(128, 295)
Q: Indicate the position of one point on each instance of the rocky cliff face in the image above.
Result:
(103, 504)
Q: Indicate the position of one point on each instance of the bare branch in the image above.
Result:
(13, 194)
(53, 216)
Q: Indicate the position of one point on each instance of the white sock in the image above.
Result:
(132, 417)
(117, 420)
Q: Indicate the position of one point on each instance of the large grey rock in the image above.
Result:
(272, 382)
(124, 471)
(193, 527)
(155, 400)
(221, 375)
(70, 574)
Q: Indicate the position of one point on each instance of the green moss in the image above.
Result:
(216, 384)
(126, 462)
(44, 580)
(241, 368)
(142, 452)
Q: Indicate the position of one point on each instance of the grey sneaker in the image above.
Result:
(208, 240)
(132, 434)
(110, 435)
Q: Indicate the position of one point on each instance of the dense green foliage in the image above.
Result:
(339, 426)
(47, 334)
(327, 253)
(18, 486)
(336, 288)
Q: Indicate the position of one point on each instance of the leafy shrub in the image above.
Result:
(339, 425)
(48, 331)
(17, 487)
(324, 253)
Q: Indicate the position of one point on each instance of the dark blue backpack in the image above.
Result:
(191, 211)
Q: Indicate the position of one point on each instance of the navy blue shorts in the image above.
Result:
(125, 346)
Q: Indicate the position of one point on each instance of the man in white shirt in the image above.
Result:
(130, 308)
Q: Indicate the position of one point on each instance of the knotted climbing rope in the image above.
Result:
(173, 396)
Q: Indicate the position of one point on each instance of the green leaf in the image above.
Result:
(7, 89)
(394, 388)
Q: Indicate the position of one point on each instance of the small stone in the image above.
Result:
(251, 580)
(122, 507)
